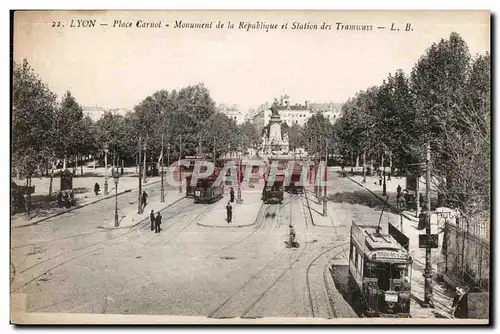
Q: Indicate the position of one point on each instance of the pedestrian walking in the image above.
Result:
(398, 190)
(122, 171)
(152, 218)
(97, 188)
(158, 223)
(229, 212)
(144, 199)
(380, 179)
(231, 195)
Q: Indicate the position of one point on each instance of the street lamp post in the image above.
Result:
(162, 199)
(106, 148)
(116, 176)
(364, 167)
(238, 175)
(428, 293)
(139, 202)
(179, 167)
(384, 186)
(168, 155)
(326, 170)
(144, 180)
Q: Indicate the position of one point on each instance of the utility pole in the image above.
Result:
(326, 169)
(364, 166)
(139, 202)
(179, 165)
(428, 294)
(145, 163)
(417, 192)
(162, 199)
(214, 151)
(384, 186)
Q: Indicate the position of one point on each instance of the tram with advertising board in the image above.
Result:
(379, 273)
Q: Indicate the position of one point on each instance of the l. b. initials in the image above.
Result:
(407, 27)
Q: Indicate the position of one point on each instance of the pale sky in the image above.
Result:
(118, 67)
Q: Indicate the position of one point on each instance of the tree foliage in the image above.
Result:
(445, 101)
(33, 106)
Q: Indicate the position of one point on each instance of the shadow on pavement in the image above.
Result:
(361, 197)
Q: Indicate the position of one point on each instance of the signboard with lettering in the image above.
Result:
(399, 237)
(428, 241)
(388, 255)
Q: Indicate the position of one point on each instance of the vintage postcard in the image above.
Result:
(250, 167)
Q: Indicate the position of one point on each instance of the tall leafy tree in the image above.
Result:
(438, 83)
(249, 134)
(33, 107)
(296, 137)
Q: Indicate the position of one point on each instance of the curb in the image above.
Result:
(78, 207)
(340, 308)
(142, 220)
(383, 200)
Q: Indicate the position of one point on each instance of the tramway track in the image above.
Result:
(140, 225)
(309, 292)
(99, 231)
(83, 254)
(275, 259)
(259, 221)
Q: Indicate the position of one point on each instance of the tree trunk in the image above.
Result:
(64, 163)
(75, 165)
(81, 167)
(357, 160)
(27, 202)
(390, 160)
(51, 179)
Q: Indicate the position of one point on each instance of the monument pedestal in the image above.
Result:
(274, 142)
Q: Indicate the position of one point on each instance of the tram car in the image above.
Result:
(379, 273)
(295, 186)
(273, 193)
(207, 191)
(191, 188)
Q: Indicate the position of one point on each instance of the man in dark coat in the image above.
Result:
(231, 195)
(158, 223)
(229, 212)
(398, 190)
(152, 217)
(96, 188)
(144, 199)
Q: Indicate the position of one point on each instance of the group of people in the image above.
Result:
(155, 221)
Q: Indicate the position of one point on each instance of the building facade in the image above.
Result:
(300, 113)
(233, 112)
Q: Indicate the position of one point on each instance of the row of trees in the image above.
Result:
(45, 131)
(445, 101)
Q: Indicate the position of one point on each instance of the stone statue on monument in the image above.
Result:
(274, 108)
